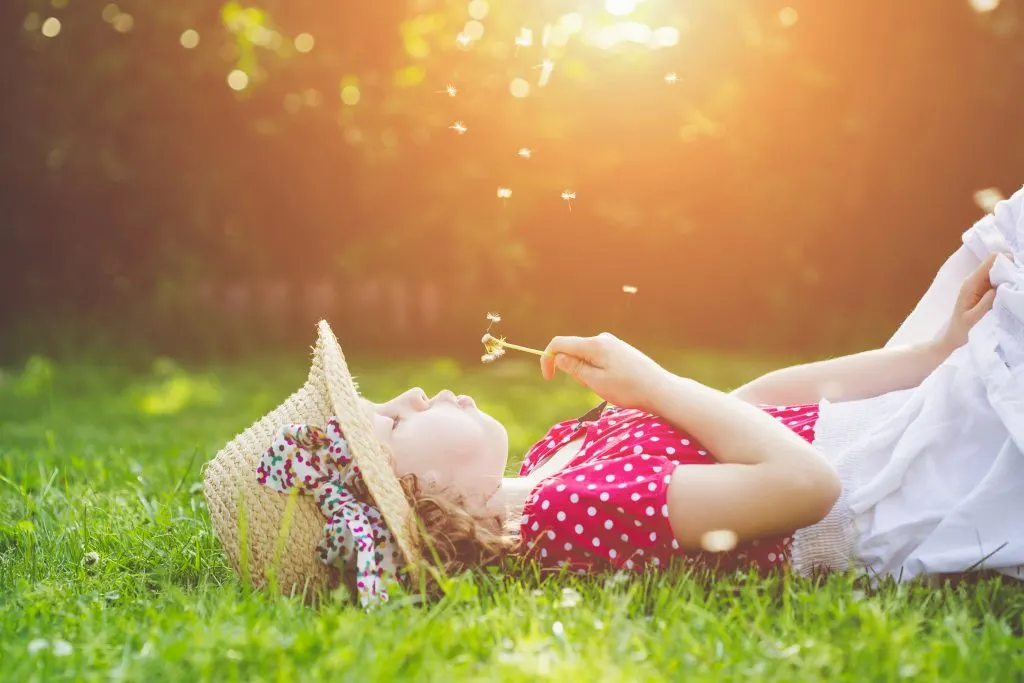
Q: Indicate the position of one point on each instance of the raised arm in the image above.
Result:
(872, 373)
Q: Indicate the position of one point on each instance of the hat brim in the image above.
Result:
(267, 533)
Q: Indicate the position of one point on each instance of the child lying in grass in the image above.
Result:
(898, 461)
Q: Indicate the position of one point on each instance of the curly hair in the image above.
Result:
(451, 538)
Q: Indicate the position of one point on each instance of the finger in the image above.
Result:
(983, 306)
(584, 348)
(580, 370)
(977, 283)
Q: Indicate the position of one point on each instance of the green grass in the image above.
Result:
(109, 571)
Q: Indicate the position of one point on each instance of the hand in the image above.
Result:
(975, 300)
(611, 368)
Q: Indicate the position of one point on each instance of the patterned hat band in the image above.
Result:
(317, 463)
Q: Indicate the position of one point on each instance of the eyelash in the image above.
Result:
(394, 422)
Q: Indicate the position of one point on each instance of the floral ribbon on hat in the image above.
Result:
(317, 462)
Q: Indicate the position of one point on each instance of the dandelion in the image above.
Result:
(91, 558)
(458, 127)
(629, 289)
(671, 78)
(569, 195)
(525, 152)
(450, 90)
(495, 347)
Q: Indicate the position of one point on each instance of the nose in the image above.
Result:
(416, 398)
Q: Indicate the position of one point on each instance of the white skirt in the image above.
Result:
(933, 477)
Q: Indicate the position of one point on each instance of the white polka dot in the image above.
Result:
(668, 478)
(545, 505)
(591, 510)
(534, 526)
(598, 467)
(806, 427)
(591, 487)
(610, 478)
(619, 508)
(579, 528)
(649, 510)
(664, 510)
(611, 422)
(655, 561)
(525, 519)
(565, 440)
(622, 486)
(551, 444)
(702, 452)
(685, 442)
(625, 538)
(551, 535)
(771, 557)
(580, 477)
(608, 524)
(638, 450)
(641, 477)
(612, 553)
(656, 468)
(574, 498)
(623, 449)
(568, 547)
(670, 450)
(560, 516)
(793, 422)
(637, 435)
(675, 544)
(654, 438)
(652, 486)
(604, 496)
(635, 497)
(628, 467)
(810, 414)
(645, 456)
(637, 522)
(596, 541)
(629, 564)
(543, 552)
(654, 536)
(560, 488)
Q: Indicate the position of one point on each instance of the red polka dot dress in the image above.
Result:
(607, 509)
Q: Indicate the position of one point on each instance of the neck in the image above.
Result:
(509, 499)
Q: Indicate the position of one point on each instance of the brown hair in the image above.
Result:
(451, 539)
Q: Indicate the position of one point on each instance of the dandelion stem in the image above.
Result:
(527, 349)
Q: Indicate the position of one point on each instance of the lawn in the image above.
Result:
(109, 571)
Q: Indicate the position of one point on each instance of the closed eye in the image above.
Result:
(394, 422)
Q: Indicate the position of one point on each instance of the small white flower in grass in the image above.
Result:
(558, 630)
(459, 127)
(37, 645)
(719, 541)
(570, 598)
(598, 625)
(90, 558)
(62, 648)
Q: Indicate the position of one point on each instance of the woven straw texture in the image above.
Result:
(280, 533)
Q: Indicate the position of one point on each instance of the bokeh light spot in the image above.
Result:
(33, 22)
(110, 13)
(473, 30)
(573, 22)
(788, 16)
(478, 9)
(304, 42)
(123, 23)
(189, 39)
(983, 5)
(519, 87)
(666, 36)
(720, 541)
(238, 80)
(620, 8)
(350, 95)
(51, 27)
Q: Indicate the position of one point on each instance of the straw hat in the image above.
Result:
(281, 532)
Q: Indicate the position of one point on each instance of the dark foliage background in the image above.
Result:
(794, 190)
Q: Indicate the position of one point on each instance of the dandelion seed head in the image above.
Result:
(494, 317)
(458, 127)
(629, 289)
(451, 90)
(568, 195)
(525, 152)
(504, 192)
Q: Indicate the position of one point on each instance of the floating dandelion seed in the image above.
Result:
(569, 196)
(629, 289)
(988, 198)
(450, 90)
(525, 152)
(458, 127)
(524, 39)
(463, 40)
(546, 67)
(504, 192)
(671, 78)
(494, 317)
(719, 541)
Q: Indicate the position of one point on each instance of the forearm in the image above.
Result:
(848, 378)
(732, 429)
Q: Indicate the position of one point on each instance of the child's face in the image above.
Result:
(446, 441)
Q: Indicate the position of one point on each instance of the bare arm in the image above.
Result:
(769, 480)
(877, 372)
